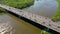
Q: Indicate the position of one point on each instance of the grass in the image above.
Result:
(57, 14)
(44, 32)
(16, 3)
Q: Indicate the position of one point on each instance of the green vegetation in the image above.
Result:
(44, 32)
(2, 10)
(17, 3)
(57, 14)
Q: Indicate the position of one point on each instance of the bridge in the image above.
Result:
(36, 20)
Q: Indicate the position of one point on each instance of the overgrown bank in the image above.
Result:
(16, 3)
(57, 14)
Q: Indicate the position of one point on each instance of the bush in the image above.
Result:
(57, 14)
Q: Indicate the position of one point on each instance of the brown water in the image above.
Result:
(45, 8)
(10, 24)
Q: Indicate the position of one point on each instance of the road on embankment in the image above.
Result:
(47, 22)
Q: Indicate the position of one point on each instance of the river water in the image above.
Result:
(10, 24)
(45, 8)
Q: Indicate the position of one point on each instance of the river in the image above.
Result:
(10, 24)
(45, 8)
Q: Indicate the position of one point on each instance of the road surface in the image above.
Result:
(47, 22)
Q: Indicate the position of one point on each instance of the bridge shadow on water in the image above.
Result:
(34, 23)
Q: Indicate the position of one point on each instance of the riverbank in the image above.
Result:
(2, 10)
(57, 14)
(18, 3)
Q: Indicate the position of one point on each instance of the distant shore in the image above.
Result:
(57, 14)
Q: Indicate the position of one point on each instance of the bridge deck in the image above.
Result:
(36, 18)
